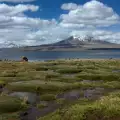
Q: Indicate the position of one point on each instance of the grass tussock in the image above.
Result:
(105, 77)
(107, 108)
(53, 77)
(10, 116)
(48, 97)
(41, 105)
(9, 104)
(69, 71)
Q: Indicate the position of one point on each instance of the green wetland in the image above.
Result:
(60, 90)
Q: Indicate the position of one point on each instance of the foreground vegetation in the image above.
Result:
(50, 79)
(107, 108)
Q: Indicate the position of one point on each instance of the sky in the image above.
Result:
(36, 22)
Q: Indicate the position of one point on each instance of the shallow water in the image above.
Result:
(70, 96)
(93, 93)
(116, 71)
(32, 98)
(91, 81)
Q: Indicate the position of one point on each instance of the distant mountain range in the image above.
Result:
(73, 44)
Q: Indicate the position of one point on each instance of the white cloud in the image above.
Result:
(15, 26)
(18, 28)
(93, 13)
(69, 6)
(13, 16)
(109, 36)
(49, 35)
(8, 10)
(16, 1)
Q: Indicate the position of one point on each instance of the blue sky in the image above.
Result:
(34, 22)
(51, 9)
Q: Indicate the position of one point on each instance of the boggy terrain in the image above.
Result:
(60, 90)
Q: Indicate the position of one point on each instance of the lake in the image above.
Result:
(51, 55)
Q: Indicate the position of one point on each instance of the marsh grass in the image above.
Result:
(42, 68)
(105, 77)
(54, 86)
(61, 101)
(54, 77)
(107, 108)
(10, 116)
(2, 83)
(8, 74)
(48, 97)
(42, 85)
(9, 104)
(69, 71)
(41, 105)
(69, 79)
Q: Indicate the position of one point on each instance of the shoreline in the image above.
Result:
(64, 59)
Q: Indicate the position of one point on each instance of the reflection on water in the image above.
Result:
(116, 71)
(70, 96)
(31, 97)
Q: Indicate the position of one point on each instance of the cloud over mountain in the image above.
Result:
(80, 20)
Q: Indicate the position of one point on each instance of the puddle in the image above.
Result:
(18, 82)
(43, 102)
(88, 93)
(69, 96)
(33, 112)
(32, 98)
(94, 93)
(69, 75)
(3, 89)
(116, 71)
(91, 81)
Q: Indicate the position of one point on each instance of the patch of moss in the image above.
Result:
(41, 105)
(3, 83)
(10, 116)
(41, 68)
(8, 74)
(60, 101)
(107, 108)
(48, 97)
(69, 71)
(105, 77)
(9, 104)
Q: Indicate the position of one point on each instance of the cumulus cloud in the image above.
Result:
(16, 1)
(18, 28)
(13, 16)
(15, 25)
(113, 37)
(93, 13)
(69, 6)
(8, 10)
